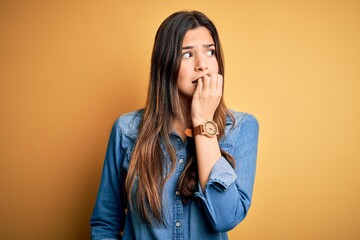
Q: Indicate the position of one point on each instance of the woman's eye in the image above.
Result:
(187, 55)
(211, 52)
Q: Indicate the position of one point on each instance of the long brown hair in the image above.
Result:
(145, 178)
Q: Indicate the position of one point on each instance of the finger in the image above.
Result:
(206, 80)
(199, 87)
(213, 81)
(220, 82)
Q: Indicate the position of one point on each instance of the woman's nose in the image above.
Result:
(201, 64)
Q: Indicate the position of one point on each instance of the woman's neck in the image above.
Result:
(179, 127)
(184, 120)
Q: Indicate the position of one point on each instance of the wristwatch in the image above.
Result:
(208, 128)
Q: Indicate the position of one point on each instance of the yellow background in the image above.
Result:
(68, 69)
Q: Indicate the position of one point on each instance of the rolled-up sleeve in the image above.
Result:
(228, 192)
(108, 215)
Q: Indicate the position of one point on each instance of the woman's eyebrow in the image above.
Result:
(191, 47)
(187, 47)
(209, 45)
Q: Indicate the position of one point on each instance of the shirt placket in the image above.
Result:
(178, 206)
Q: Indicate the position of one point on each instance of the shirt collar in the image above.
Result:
(229, 120)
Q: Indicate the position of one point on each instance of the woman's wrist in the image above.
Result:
(198, 121)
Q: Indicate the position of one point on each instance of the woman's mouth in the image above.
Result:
(196, 81)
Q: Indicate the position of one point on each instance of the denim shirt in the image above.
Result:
(209, 215)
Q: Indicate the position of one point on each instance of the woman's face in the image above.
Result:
(198, 59)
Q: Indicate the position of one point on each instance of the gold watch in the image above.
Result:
(208, 128)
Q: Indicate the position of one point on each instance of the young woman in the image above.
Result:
(183, 167)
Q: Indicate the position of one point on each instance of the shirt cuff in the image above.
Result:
(221, 177)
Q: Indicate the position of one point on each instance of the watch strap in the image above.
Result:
(197, 130)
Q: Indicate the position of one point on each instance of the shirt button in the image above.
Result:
(178, 139)
(178, 224)
(177, 193)
(181, 160)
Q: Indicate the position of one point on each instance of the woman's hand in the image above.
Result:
(206, 98)
(204, 103)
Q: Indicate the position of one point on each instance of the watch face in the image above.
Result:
(210, 128)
